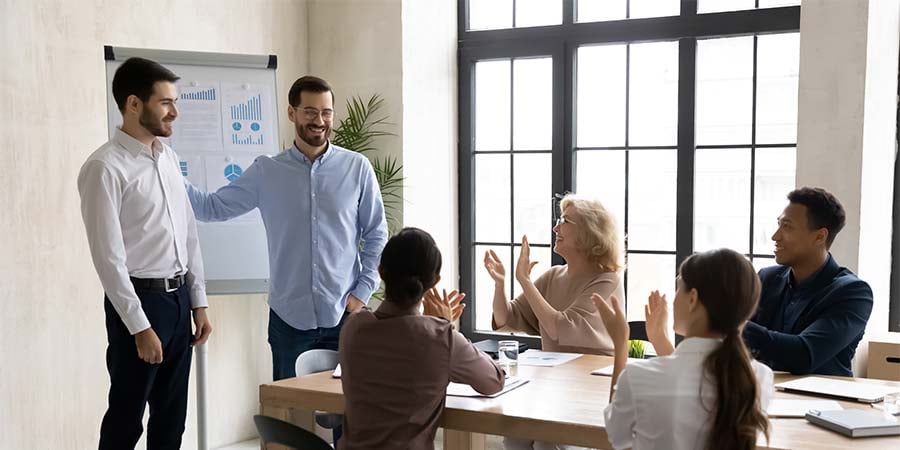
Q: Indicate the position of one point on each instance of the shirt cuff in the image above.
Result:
(362, 293)
(136, 322)
(198, 297)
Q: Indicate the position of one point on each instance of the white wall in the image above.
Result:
(355, 46)
(53, 380)
(846, 129)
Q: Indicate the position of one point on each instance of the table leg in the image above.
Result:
(305, 419)
(463, 440)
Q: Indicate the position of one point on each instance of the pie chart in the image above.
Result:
(233, 172)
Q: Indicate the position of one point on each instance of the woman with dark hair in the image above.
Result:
(396, 362)
(708, 393)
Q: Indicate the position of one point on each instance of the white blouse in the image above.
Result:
(665, 402)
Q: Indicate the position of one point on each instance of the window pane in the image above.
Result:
(648, 273)
(600, 96)
(492, 104)
(490, 14)
(533, 104)
(541, 255)
(484, 284)
(722, 199)
(600, 10)
(653, 109)
(492, 203)
(762, 263)
(724, 90)
(708, 6)
(654, 8)
(775, 177)
(600, 174)
(652, 186)
(777, 69)
(532, 13)
(533, 197)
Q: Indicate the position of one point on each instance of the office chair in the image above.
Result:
(314, 361)
(274, 431)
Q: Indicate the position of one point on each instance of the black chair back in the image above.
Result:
(638, 332)
(274, 431)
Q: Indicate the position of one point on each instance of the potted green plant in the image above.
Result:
(358, 132)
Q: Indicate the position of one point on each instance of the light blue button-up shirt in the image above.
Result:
(325, 228)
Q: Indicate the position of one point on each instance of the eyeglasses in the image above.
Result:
(312, 113)
(563, 219)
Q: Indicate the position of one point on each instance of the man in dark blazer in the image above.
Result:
(812, 312)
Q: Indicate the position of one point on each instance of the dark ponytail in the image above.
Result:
(410, 265)
(728, 287)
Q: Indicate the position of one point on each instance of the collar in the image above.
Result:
(299, 156)
(136, 147)
(819, 278)
(388, 309)
(698, 345)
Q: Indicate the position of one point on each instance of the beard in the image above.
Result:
(315, 140)
(153, 125)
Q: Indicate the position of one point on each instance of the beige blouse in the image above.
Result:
(395, 367)
(579, 328)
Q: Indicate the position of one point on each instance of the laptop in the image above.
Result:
(490, 346)
(852, 390)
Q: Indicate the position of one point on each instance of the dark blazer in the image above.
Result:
(819, 334)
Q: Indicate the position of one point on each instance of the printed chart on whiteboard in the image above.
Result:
(221, 128)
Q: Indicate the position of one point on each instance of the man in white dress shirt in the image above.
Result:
(143, 242)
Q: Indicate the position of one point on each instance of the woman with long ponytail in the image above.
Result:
(706, 394)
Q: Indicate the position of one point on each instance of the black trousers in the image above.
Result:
(135, 383)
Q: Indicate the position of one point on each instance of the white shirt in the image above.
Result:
(657, 402)
(139, 222)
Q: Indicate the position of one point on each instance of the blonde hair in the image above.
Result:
(598, 233)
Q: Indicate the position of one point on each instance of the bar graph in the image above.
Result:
(249, 140)
(249, 110)
(209, 94)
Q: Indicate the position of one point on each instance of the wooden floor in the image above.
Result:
(493, 443)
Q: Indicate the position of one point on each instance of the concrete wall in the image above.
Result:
(846, 130)
(355, 45)
(53, 380)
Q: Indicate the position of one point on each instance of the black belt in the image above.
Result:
(160, 284)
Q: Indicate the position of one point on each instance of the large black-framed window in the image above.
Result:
(627, 107)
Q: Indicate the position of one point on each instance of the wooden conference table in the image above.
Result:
(562, 404)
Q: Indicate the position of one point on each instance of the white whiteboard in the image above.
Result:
(228, 116)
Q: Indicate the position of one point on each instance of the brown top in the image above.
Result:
(579, 328)
(395, 368)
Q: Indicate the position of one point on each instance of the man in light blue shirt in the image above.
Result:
(325, 227)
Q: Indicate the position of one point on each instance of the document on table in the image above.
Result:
(783, 407)
(546, 359)
(608, 370)
(464, 390)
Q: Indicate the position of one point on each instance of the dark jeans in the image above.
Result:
(288, 343)
(134, 382)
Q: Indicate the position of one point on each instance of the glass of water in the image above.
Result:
(508, 357)
(892, 403)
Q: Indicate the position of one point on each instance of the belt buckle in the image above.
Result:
(168, 289)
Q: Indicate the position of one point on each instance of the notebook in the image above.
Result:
(608, 370)
(464, 390)
(856, 422)
(853, 390)
(490, 346)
